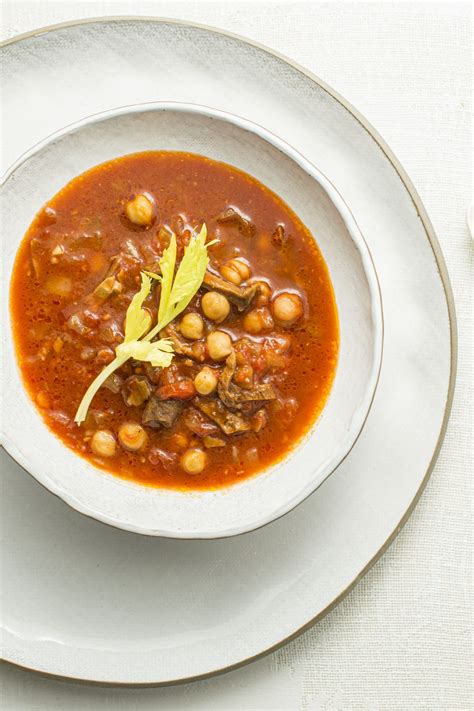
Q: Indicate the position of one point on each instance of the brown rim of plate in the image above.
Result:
(443, 273)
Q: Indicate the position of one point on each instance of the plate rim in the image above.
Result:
(443, 274)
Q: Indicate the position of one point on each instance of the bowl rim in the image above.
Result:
(376, 312)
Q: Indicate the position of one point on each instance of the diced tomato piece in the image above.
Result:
(169, 375)
(179, 390)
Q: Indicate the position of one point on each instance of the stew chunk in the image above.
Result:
(161, 413)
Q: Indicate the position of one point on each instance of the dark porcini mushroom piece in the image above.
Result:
(234, 397)
(279, 236)
(240, 296)
(233, 216)
(229, 422)
(161, 413)
(195, 351)
(114, 383)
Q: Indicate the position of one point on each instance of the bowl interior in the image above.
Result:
(258, 500)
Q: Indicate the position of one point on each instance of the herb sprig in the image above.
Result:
(177, 290)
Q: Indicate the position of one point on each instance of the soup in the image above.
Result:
(247, 353)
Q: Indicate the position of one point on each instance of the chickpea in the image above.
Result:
(242, 267)
(132, 436)
(287, 308)
(231, 274)
(205, 381)
(258, 320)
(215, 306)
(103, 443)
(192, 326)
(193, 461)
(219, 345)
(140, 210)
(253, 322)
(236, 271)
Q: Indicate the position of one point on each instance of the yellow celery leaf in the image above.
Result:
(187, 281)
(176, 293)
(167, 266)
(95, 386)
(159, 353)
(137, 319)
(190, 272)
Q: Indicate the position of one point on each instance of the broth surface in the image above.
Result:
(65, 334)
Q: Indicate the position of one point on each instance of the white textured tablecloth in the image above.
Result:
(402, 640)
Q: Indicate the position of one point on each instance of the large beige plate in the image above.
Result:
(89, 602)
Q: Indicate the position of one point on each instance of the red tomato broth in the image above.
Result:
(88, 222)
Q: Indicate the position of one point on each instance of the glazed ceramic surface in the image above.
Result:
(86, 601)
(262, 498)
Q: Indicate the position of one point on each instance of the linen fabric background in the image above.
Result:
(402, 640)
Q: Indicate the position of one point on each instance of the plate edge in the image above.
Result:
(443, 273)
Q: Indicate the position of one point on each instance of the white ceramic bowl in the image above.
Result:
(40, 173)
